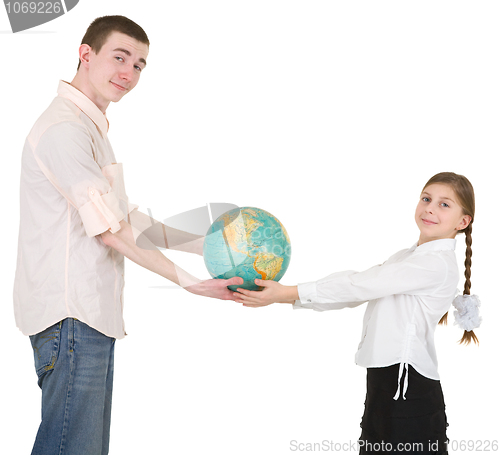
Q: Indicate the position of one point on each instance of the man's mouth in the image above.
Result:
(119, 87)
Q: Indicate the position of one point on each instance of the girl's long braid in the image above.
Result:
(468, 336)
(468, 258)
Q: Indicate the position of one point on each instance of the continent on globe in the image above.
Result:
(247, 242)
(268, 265)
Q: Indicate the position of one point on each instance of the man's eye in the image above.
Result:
(120, 59)
(138, 68)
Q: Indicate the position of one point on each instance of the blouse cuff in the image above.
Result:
(101, 213)
(307, 293)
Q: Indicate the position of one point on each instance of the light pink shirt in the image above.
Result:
(71, 191)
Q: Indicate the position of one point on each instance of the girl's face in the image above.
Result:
(438, 214)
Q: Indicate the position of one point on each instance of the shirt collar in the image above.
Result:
(84, 103)
(436, 245)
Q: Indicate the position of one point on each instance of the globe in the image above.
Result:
(249, 243)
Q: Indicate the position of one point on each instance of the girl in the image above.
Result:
(408, 295)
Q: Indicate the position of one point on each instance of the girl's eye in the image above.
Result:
(444, 204)
(425, 199)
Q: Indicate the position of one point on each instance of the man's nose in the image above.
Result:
(126, 72)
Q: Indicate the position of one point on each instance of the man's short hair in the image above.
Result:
(100, 29)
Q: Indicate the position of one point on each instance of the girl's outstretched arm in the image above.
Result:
(273, 292)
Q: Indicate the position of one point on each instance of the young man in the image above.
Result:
(76, 227)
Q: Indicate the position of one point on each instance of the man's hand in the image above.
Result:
(215, 288)
(272, 292)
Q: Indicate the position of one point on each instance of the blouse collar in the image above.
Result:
(436, 245)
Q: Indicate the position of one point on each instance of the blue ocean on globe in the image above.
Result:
(249, 243)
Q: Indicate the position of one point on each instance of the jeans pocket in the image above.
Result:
(46, 348)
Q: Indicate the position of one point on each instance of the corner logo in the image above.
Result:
(28, 14)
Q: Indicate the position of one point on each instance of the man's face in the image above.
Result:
(116, 69)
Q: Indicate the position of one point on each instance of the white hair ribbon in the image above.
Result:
(467, 312)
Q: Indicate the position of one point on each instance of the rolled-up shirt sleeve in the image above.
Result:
(65, 154)
(416, 275)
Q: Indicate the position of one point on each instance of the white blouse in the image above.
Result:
(407, 296)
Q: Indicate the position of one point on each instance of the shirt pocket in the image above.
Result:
(114, 175)
(46, 349)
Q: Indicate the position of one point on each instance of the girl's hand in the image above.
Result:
(272, 292)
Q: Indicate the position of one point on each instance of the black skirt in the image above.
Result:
(416, 425)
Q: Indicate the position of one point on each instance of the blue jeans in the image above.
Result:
(74, 364)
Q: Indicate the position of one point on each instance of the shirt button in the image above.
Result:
(92, 192)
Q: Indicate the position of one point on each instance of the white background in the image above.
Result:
(331, 115)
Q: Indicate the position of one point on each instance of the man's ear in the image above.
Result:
(84, 54)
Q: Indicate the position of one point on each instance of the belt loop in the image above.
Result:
(71, 334)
